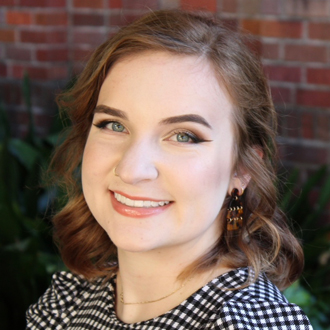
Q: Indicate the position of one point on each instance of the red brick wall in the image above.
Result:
(51, 39)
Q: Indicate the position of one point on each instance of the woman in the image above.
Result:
(174, 223)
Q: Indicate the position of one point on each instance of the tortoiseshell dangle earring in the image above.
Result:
(235, 211)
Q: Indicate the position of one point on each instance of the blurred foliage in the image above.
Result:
(27, 254)
(312, 292)
(28, 257)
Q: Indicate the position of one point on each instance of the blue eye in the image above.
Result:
(117, 127)
(183, 137)
(186, 137)
(114, 126)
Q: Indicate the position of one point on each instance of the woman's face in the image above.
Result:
(163, 122)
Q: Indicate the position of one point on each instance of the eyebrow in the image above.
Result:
(184, 118)
(170, 120)
(110, 111)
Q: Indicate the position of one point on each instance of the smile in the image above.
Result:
(138, 203)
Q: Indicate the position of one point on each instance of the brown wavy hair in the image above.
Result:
(264, 243)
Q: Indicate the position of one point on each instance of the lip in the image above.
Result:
(137, 212)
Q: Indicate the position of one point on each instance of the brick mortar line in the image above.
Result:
(36, 10)
(69, 44)
(311, 19)
(41, 28)
(3, 11)
(43, 46)
(278, 17)
(314, 125)
(295, 41)
(297, 109)
(19, 44)
(311, 87)
(286, 84)
(285, 112)
(304, 75)
(130, 11)
(21, 108)
(302, 142)
(281, 8)
(281, 50)
(106, 16)
(227, 15)
(18, 82)
(91, 11)
(305, 30)
(89, 28)
(293, 95)
(36, 64)
(294, 64)
(303, 167)
(302, 65)
(219, 5)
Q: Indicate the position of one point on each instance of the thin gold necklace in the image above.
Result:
(121, 296)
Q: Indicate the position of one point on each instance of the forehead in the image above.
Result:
(173, 82)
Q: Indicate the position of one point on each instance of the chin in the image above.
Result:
(130, 245)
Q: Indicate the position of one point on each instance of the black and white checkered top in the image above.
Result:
(74, 303)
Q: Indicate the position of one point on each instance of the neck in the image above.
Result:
(149, 276)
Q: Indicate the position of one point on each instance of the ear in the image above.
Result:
(241, 178)
(259, 152)
(240, 181)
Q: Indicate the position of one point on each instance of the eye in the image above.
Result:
(114, 126)
(183, 137)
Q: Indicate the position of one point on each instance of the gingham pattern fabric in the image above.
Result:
(73, 303)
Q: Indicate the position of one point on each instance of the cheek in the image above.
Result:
(215, 170)
(204, 180)
(213, 181)
(95, 161)
(94, 173)
(88, 166)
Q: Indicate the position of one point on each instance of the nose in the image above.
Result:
(137, 163)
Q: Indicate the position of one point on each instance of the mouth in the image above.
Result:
(139, 203)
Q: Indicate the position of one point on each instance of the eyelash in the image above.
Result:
(193, 137)
(104, 123)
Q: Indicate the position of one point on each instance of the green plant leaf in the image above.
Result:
(298, 295)
(4, 124)
(288, 189)
(27, 252)
(9, 225)
(26, 89)
(301, 202)
(24, 152)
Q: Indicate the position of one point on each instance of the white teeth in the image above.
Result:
(138, 203)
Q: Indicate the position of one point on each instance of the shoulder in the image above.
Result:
(262, 306)
(59, 304)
